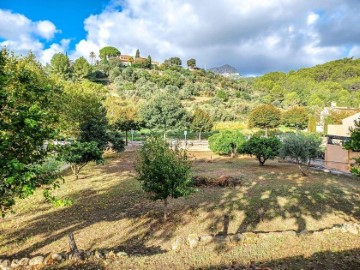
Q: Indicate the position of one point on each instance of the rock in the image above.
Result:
(5, 263)
(205, 239)
(110, 254)
(351, 228)
(14, 263)
(36, 260)
(99, 255)
(24, 261)
(176, 245)
(303, 232)
(193, 240)
(57, 257)
(122, 254)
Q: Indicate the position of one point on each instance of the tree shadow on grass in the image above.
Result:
(78, 265)
(345, 260)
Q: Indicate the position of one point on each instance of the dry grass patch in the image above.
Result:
(110, 211)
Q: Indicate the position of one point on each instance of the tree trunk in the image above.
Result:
(261, 161)
(76, 254)
(301, 169)
(165, 209)
(126, 137)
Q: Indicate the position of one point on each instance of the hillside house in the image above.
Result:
(126, 59)
(336, 157)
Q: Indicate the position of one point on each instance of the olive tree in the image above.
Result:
(301, 148)
(163, 172)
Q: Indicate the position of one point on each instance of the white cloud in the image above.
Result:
(22, 35)
(254, 35)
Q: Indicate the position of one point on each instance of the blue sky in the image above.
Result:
(67, 15)
(255, 36)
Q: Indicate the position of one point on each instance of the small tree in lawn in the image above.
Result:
(301, 148)
(163, 172)
(265, 117)
(354, 145)
(227, 142)
(79, 154)
(127, 125)
(201, 121)
(262, 148)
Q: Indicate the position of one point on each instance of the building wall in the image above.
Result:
(338, 158)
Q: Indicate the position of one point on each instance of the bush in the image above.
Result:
(226, 142)
(262, 148)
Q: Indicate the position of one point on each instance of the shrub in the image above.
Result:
(226, 142)
(262, 148)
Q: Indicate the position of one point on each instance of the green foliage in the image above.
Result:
(106, 52)
(164, 173)
(79, 154)
(191, 63)
(173, 61)
(300, 147)
(201, 121)
(137, 54)
(265, 116)
(263, 148)
(295, 117)
(354, 144)
(226, 142)
(60, 65)
(311, 124)
(116, 140)
(27, 121)
(127, 125)
(81, 67)
(164, 112)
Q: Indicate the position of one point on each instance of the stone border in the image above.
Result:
(194, 240)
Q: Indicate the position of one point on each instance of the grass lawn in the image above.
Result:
(110, 211)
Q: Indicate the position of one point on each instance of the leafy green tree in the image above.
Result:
(137, 54)
(265, 116)
(263, 148)
(127, 125)
(107, 52)
(173, 61)
(191, 63)
(164, 112)
(60, 65)
(227, 142)
(27, 122)
(79, 154)
(201, 121)
(296, 117)
(81, 67)
(163, 172)
(354, 144)
(301, 148)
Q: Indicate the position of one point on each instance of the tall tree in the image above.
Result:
(27, 121)
(296, 117)
(191, 63)
(201, 121)
(60, 65)
(107, 52)
(81, 67)
(137, 54)
(164, 112)
(164, 173)
(265, 116)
